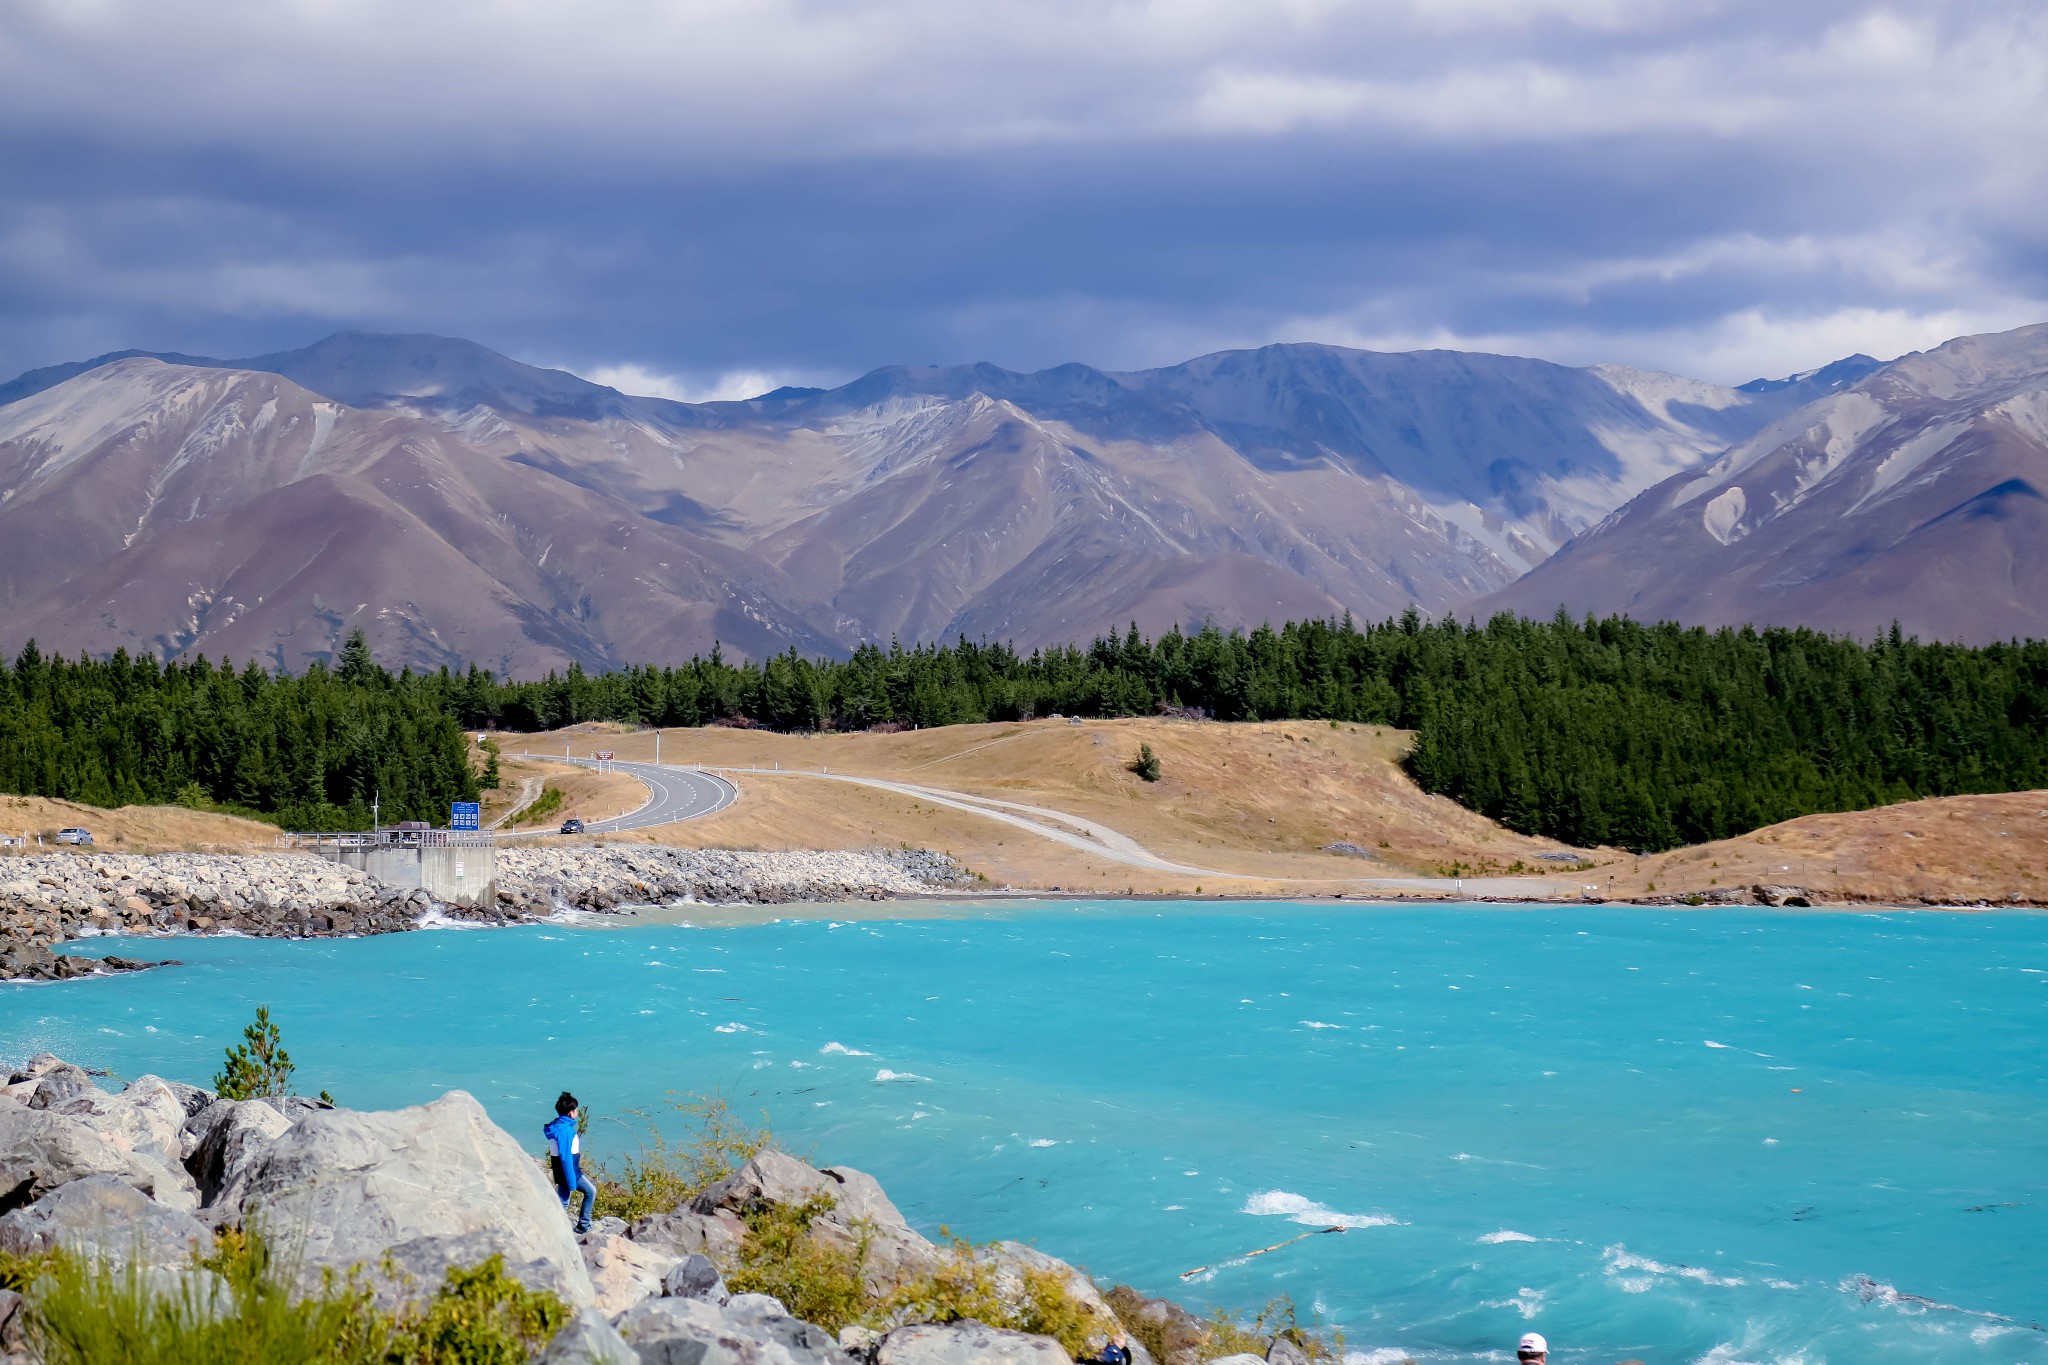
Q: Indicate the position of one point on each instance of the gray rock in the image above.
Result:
(1012, 1260)
(622, 1271)
(105, 1219)
(616, 1227)
(757, 1306)
(1241, 1358)
(699, 1332)
(967, 1343)
(717, 1235)
(694, 1277)
(40, 1151)
(589, 1339)
(191, 1096)
(859, 1210)
(147, 1118)
(226, 1139)
(1285, 1352)
(437, 1184)
(13, 1339)
(48, 1079)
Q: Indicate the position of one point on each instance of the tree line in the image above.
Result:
(1584, 731)
(308, 752)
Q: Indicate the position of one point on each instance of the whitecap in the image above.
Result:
(1379, 1355)
(1044, 1142)
(1619, 1259)
(1723, 1046)
(731, 1028)
(1504, 1235)
(885, 1074)
(1300, 1209)
(842, 1050)
(1527, 1302)
(1311, 1023)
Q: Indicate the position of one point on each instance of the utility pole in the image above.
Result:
(657, 748)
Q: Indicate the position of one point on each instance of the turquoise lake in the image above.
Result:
(1713, 1136)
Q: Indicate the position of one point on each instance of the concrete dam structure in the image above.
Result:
(457, 867)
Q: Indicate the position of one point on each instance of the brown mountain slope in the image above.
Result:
(1919, 495)
(169, 509)
(524, 518)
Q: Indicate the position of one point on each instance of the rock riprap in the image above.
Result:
(49, 898)
(541, 880)
(150, 1174)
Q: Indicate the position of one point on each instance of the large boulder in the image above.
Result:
(1285, 1352)
(225, 1141)
(683, 1233)
(589, 1339)
(967, 1343)
(1012, 1261)
(45, 1079)
(622, 1271)
(40, 1151)
(859, 1212)
(105, 1219)
(436, 1185)
(748, 1331)
(1180, 1333)
(147, 1118)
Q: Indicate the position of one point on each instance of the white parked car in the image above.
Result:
(74, 835)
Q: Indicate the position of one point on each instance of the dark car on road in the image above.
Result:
(572, 826)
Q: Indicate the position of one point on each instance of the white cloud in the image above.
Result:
(726, 387)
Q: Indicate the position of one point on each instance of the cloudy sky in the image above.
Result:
(708, 197)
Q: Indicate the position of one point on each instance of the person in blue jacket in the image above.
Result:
(565, 1159)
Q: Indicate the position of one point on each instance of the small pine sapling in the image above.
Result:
(258, 1066)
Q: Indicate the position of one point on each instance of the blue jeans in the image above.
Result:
(589, 1200)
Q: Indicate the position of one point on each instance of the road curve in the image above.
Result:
(673, 794)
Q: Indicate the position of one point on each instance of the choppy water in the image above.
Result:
(1703, 1136)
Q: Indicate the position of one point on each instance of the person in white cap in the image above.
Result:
(1532, 1349)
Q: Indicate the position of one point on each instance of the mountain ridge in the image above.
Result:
(528, 518)
(1914, 495)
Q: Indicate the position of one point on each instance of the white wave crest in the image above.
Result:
(732, 1028)
(1303, 1210)
(1315, 1023)
(1494, 1239)
(885, 1074)
(1621, 1260)
(842, 1050)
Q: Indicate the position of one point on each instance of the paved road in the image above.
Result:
(672, 794)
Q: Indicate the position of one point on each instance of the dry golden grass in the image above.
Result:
(135, 829)
(1258, 801)
(586, 793)
(1943, 849)
(1262, 801)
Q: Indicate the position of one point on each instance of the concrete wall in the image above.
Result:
(465, 875)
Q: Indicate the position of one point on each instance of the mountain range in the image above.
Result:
(463, 507)
(1914, 495)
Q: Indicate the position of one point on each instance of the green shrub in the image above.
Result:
(1147, 765)
(1228, 1335)
(665, 1176)
(817, 1279)
(239, 1307)
(481, 1316)
(546, 804)
(258, 1066)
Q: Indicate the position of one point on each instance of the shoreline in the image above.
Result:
(52, 899)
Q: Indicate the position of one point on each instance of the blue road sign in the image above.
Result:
(465, 815)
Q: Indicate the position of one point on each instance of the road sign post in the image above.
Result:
(465, 815)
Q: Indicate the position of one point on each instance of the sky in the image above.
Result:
(707, 198)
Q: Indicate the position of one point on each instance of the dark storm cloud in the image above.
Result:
(760, 190)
